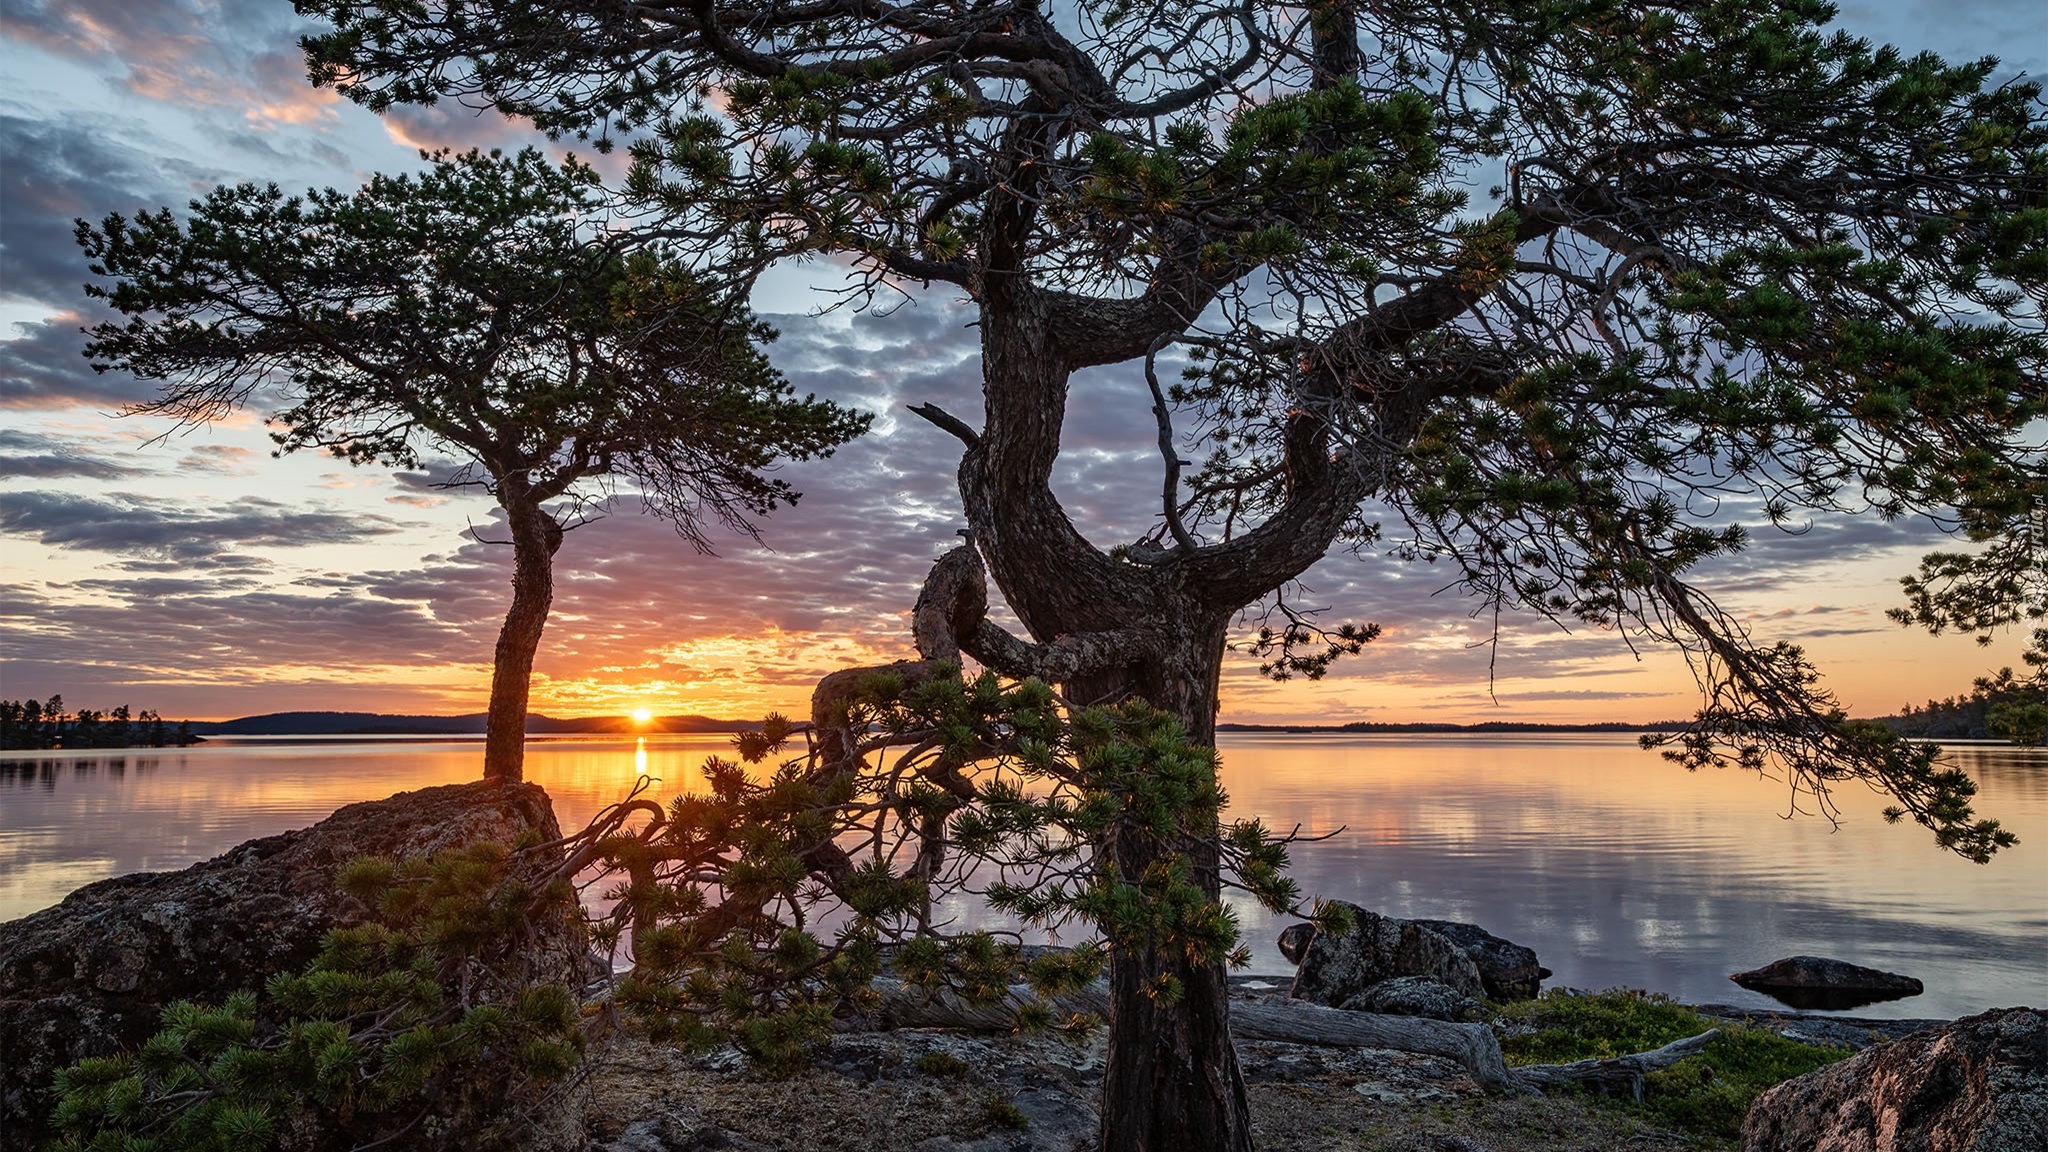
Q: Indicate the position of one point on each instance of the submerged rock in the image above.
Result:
(1337, 967)
(91, 975)
(1977, 1085)
(1819, 982)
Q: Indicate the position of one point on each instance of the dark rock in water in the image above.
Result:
(1509, 970)
(1337, 967)
(1808, 982)
(1294, 941)
(1415, 996)
(90, 976)
(1977, 1085)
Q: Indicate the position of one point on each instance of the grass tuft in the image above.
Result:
(1704, 1095)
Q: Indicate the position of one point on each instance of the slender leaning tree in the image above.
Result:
(475, 310)
(1738, 271)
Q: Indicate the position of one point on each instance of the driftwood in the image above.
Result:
(1472, 1045)
(1622, 1073)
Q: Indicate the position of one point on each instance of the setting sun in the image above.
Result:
(642, 715)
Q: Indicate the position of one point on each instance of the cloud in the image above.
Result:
(53, 171)
(239, 55)
(26, 455)
(221, 460)
(166, 530)
(2015, 31)
(454, 126)
(45, 368)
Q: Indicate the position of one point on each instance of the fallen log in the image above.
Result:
(1621, 1073)
(1473, 1046)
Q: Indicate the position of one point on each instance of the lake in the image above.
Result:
(1617, 867)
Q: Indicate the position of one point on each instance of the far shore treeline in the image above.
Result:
(27, 724)
(2002, 707)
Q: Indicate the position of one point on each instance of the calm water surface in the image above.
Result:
(1618, 868)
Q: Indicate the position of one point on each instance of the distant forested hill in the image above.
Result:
(1503, 727)
(1999, 707)
(385, 724)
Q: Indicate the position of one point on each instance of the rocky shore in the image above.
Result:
(90, 976)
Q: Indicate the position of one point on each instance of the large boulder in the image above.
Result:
(91, 975)
(1338, 966)
(1977, 1085)
(1509, 970)
(1819, 982)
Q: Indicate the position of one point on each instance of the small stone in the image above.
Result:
(1294, 941)
(1380, 1091)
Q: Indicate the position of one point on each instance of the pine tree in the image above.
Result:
(478, 310)
(1737, 269)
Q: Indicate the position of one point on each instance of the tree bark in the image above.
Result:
(536, 536)
(1171, 1081)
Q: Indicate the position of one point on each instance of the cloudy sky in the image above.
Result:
(195, 574)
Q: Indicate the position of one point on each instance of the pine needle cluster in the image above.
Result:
(758, 911)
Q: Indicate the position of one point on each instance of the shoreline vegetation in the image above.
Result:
(143, 728)
(32, 725)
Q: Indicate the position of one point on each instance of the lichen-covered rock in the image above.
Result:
(1336, 967)
(90, 976)
(1509, 970)
(1977, 1085)
(1821, 982)
(1415, 996)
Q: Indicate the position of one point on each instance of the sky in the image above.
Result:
(191, 572)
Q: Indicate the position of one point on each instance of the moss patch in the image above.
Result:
(1705, 1095)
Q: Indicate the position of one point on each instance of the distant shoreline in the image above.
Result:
(342, 724)
(387, 724)
(1486, 727)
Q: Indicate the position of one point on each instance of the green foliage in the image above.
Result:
(1097, 817)
(943, 1064)
(1001, 1115)
(428, 1011)
(1705, 1095)
(1601, 1026)
(477, 308)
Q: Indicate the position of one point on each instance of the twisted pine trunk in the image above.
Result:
(536, 536)
(1172, 1082)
